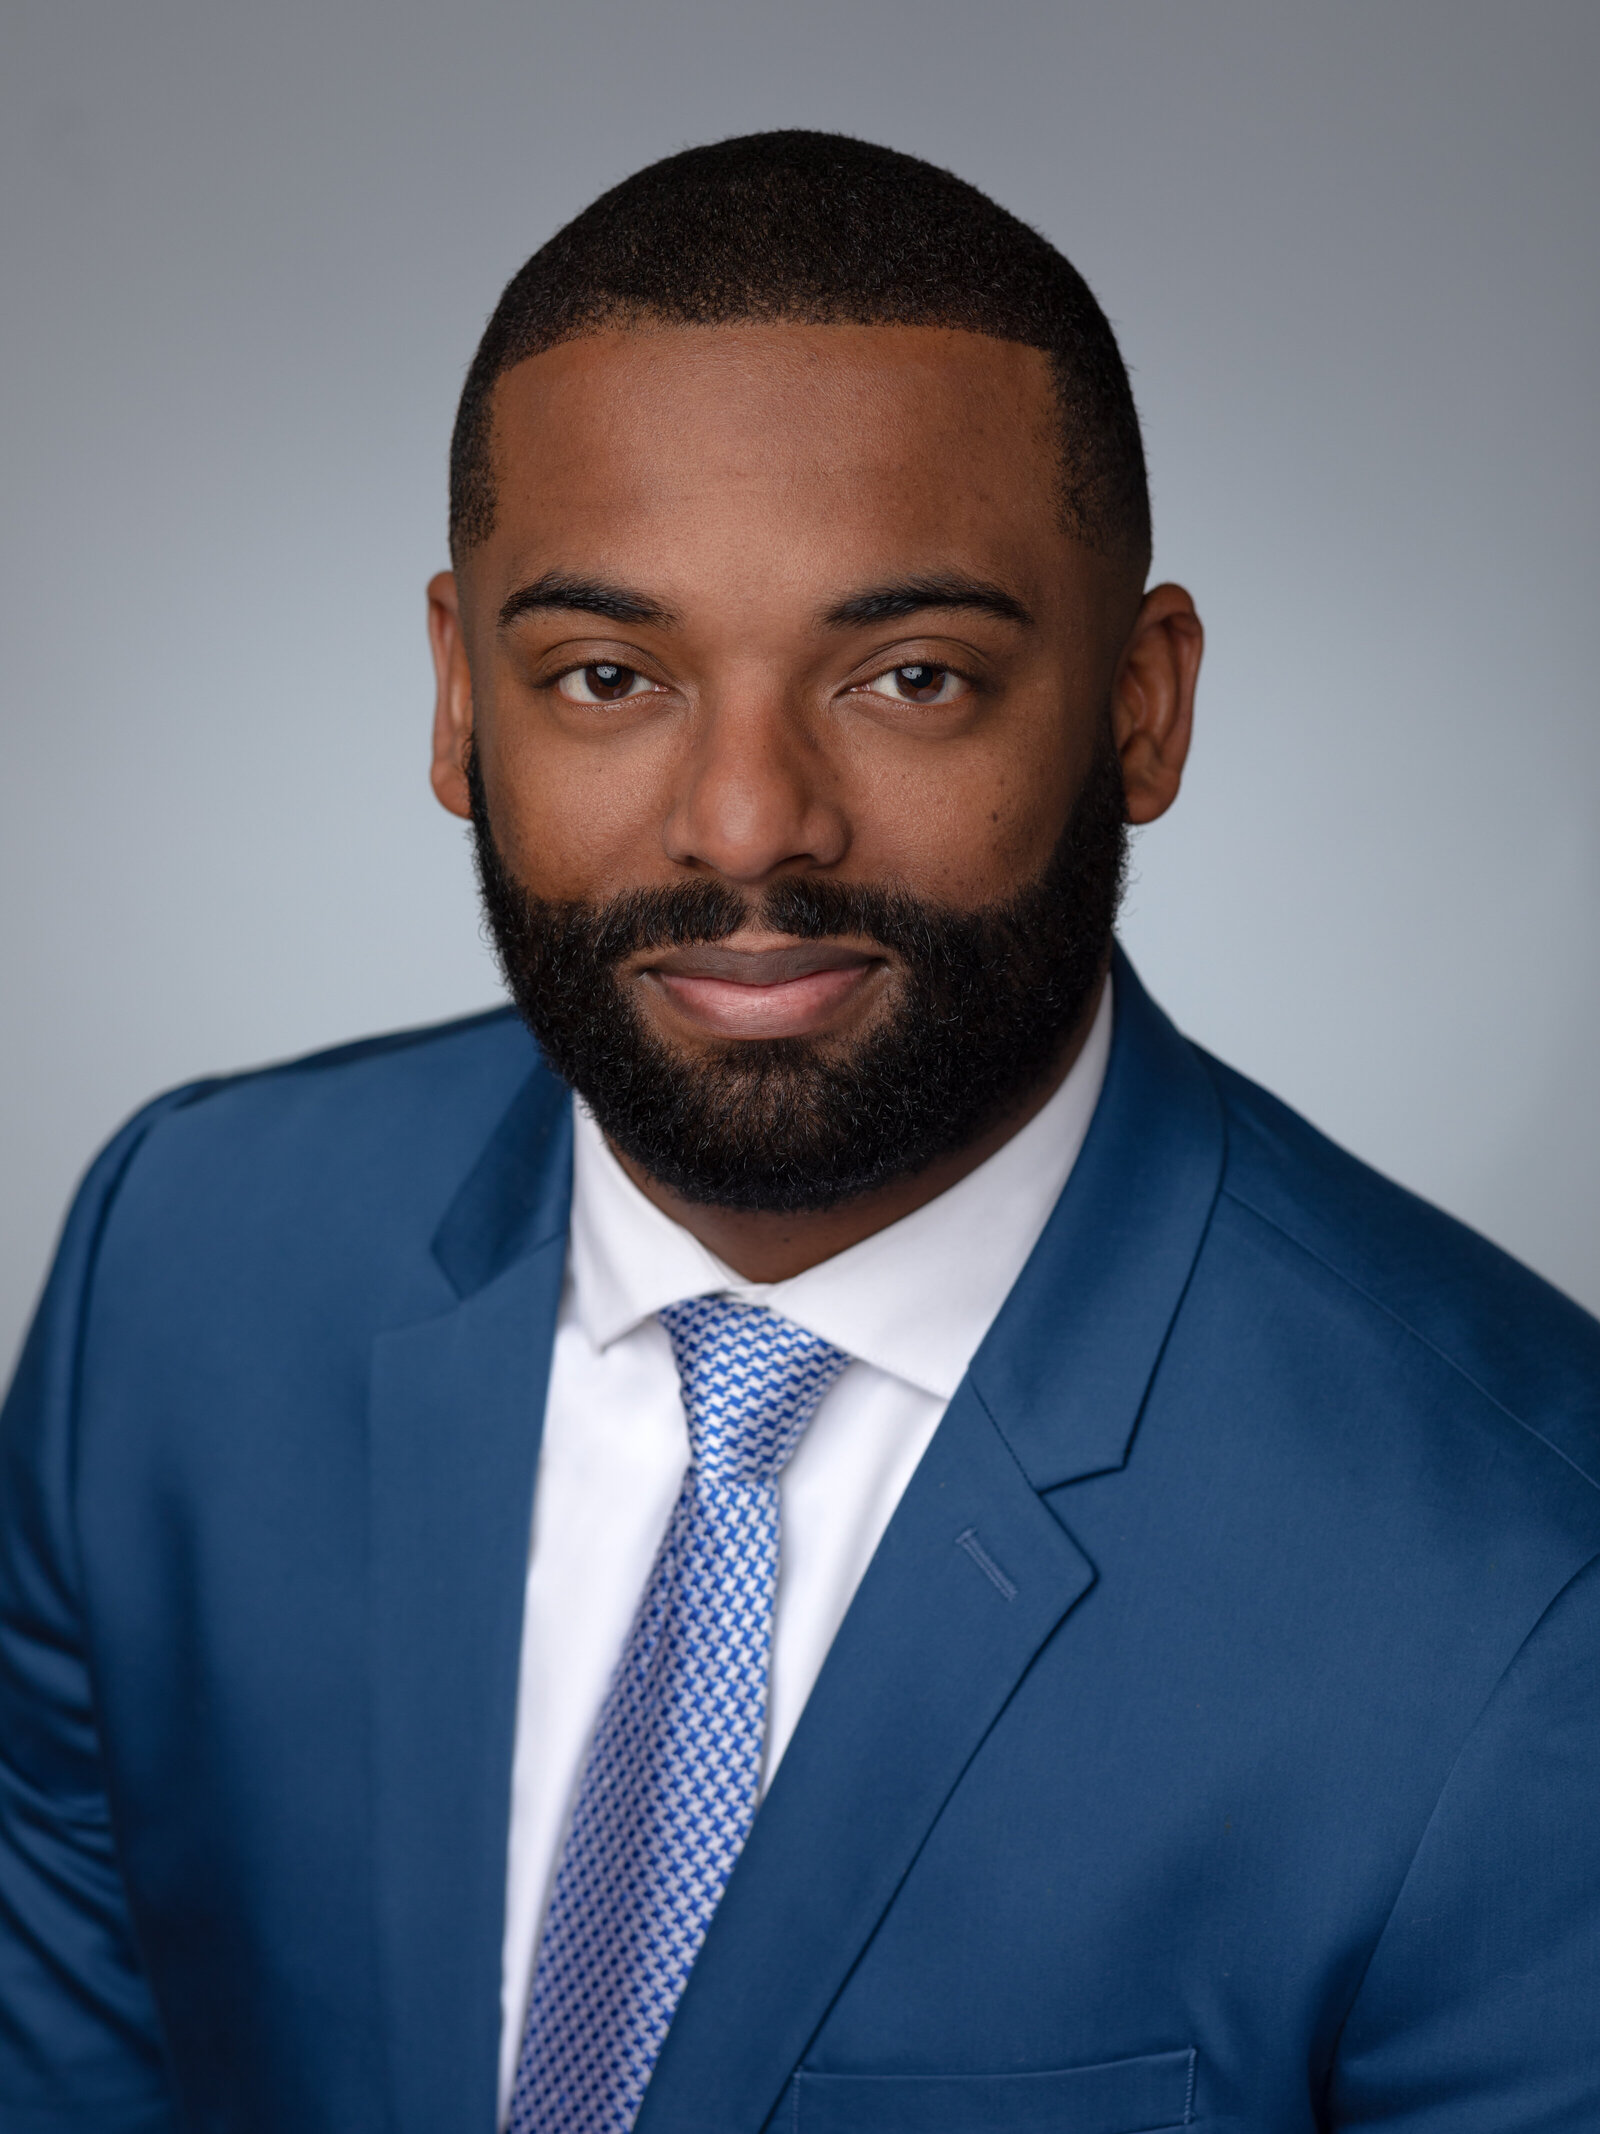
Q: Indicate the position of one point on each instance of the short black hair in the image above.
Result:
(818, 228)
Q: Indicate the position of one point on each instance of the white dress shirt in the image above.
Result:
(910, 1305)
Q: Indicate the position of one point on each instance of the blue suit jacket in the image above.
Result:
(1245, 1774)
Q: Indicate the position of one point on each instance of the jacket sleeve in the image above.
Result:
(1480, 2010)
(80, 2040)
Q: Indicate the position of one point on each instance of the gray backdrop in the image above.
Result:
(1350, 250)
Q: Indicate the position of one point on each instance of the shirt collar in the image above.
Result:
(914, 1299)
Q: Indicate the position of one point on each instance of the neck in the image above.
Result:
(770, 1248)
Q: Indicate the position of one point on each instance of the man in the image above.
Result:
(1056, 1599)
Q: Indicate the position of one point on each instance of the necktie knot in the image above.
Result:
(751, 1383)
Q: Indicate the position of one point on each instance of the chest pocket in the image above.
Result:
(1144, 2096)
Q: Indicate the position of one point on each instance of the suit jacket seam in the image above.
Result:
(1397, 1318)
(138, 1132)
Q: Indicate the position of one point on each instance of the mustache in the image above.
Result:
(695, 914)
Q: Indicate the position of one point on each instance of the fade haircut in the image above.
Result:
(818, 229)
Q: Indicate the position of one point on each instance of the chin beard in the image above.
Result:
(979, 1018)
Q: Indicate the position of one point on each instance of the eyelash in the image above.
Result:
(918, 666)
(604, 666)
(630, 694)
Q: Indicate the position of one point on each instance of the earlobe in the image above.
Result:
(1153, 700)
(452, 709)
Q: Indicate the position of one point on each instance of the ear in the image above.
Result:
(1152, 700)
(452, 708)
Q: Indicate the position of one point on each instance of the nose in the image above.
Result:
(757, 795)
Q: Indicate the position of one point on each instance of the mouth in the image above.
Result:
(763, 985)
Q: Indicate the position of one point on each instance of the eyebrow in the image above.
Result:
(911, 596)
(880, 603)
(589, 596)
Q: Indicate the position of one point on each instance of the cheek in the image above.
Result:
(577, 818)
(964, 826)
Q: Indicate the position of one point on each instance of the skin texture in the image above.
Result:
(741, 484)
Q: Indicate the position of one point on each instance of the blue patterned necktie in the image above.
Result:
(670, 1787)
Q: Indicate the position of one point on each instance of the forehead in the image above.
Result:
(850, 440)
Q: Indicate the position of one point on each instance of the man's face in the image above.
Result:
(776, 623)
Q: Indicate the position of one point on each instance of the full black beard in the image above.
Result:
(980, 1019)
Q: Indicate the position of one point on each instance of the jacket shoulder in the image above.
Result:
(471, 1060)
(1489, 1321)
(369, 1139)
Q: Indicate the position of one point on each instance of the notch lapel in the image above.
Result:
(975, 1572)
(456, 1410)
(1065, 1368)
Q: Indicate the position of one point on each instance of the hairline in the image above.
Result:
(621, 316)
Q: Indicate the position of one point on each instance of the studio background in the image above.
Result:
(1349, 250)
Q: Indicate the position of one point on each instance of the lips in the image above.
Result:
(787, 989)
(760, 967)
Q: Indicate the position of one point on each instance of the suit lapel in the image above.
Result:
(971, 1578)
(456, 1408)
(974, 1574)
(1065, 1368)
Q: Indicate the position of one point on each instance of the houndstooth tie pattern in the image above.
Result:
(670, 1787)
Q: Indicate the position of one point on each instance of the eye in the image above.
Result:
(918, 683)
(603, 682)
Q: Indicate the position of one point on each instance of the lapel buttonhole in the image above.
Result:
(968, 1540)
